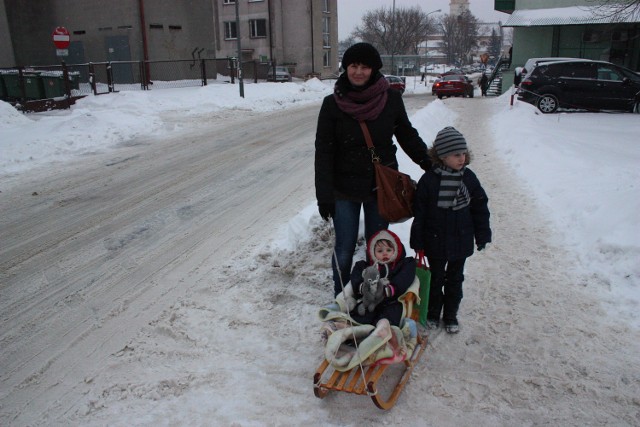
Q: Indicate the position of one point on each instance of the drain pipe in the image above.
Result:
(272, 63)
(313, 46)
(145, 46)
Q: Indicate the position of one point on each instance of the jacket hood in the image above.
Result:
(395, 242)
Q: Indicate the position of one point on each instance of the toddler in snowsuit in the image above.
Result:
(451, 210)
(397, 273)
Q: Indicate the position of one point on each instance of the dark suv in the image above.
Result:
(581, 84)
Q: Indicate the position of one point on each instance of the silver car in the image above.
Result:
(282, 75)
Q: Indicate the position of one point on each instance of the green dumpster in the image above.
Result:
(33, 86)
(53, 83)
(3, 88)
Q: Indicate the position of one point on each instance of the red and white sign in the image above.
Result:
(61, 38)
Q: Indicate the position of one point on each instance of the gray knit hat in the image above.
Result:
(449, 141)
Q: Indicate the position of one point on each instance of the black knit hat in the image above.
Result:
(362, 53)
(449, 141)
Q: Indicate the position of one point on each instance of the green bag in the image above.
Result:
(424, 275)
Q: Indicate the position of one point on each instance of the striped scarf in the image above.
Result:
(453, 193)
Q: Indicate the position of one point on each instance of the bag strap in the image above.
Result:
(369, 141)
(421, 260)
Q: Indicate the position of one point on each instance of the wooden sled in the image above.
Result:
(364, 381)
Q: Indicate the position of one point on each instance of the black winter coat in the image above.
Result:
(342, 161)
(445, 233)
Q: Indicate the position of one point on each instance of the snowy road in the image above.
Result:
(135, 290)
(110, 240)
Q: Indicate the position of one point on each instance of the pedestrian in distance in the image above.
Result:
(484, 83)
(451, 211)
(344, 171)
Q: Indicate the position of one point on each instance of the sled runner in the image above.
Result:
(364, 380)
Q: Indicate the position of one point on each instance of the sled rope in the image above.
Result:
(349, 320)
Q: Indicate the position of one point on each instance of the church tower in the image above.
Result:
(458, 7)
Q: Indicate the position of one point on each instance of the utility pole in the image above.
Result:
(393, 36)
(239, 61)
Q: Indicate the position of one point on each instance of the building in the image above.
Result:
(301, 34)
(569, 28)
(458, 7)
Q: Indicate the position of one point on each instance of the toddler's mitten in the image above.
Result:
(387, 288)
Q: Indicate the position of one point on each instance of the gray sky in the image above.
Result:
(350, 11)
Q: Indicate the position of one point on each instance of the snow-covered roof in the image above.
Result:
(574, 15)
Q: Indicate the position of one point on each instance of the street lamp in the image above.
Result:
(393, 35)
(426, 44)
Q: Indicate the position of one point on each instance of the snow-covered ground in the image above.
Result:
(550, 323)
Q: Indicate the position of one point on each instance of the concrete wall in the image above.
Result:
(107, 30)
(7, 58)
(30, 27)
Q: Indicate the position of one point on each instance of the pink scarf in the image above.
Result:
(366, 104)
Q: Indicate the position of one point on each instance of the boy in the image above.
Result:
(450, 210)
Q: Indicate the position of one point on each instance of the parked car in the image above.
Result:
(453, 85)
(282, 75)
(396, 82)
(453, 71)
(581, 84)
(531, 63)
(433, 86)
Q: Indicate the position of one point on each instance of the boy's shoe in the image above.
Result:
(433, 324)
(452, 328)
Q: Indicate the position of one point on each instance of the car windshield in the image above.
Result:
(630, 74)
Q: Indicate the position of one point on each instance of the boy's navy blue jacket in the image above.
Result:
(445, 233)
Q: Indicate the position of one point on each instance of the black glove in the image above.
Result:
(426, 164)
(481, 246)
(327, 210)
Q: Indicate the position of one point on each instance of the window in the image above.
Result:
(325, 6)
(608, 73)
(573, 70)
(326, 36)
(230, 30)
(326, 58)
(229, 2)
(175, 27)
(258, 28)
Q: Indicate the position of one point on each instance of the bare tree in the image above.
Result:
(617, 9)
(495, 44)
(401, 34)
(460, 36)
(346, 43)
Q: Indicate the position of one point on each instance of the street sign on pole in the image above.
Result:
(61, 38)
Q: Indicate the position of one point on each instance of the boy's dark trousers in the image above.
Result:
(445, 293)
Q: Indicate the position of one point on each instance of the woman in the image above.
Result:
(345, 177)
